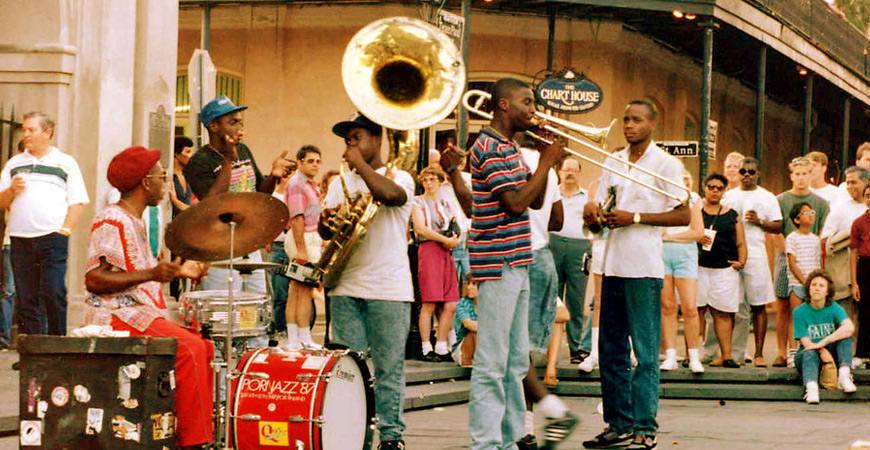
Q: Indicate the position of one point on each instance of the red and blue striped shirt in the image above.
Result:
(496, 237)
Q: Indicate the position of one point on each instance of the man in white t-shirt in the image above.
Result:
(818, 182)
(760, 213)
(370, 305)
(45, 194)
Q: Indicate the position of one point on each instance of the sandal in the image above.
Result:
(551, 381)
(730, 364)
(759, 362)
(779, 362)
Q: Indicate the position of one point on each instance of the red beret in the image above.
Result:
(129, 167)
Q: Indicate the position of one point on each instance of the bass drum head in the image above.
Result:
(348, 406)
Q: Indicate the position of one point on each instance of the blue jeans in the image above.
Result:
(280, 287)
(381, 326)
(543, 285)
(808, 362)
(39, 267)
(630, 307)
(460, 258)
(7, 298)
(501, 361)
(568, 257)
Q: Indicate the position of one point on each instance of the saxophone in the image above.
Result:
(405, 75)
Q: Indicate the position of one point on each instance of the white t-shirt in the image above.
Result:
(840, 219)
(765, 205)
(52, 184)
(446, 192)
(539, 219)
(378, 269)
(807, 251)
(829, 192)
(572, 208)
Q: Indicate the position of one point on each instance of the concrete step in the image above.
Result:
(431, 395)
(717, 375)
(722, 391)
(419, 372)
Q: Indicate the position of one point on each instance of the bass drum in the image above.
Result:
(312, 400)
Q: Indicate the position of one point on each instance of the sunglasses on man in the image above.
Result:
(745, 171)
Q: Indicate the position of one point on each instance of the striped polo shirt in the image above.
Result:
(495, 236)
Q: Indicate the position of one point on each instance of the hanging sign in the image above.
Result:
(682, 149)
(566, 92)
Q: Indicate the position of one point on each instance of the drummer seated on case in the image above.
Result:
(124, 283)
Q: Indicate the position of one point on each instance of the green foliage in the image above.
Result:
(857, 13)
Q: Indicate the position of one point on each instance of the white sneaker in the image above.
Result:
(589, 364)
(857, 363)
(669, 364)
(312, 346)
(789, 359)
(293, 345)
(695, 366)
(846, 383)
(812, 394)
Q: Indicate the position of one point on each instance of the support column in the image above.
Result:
(760, 97)
(462, 122)
(205, 33)
(706, 88)
(847, 106)
(551, 36)
(808, 115)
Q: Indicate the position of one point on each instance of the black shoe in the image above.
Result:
(609, 439)
(16, 365)
(730, 364)
(643, 442)
(392, 445)
(430, 357)
(578, 356)
(557, 430)
(443, 358)
(528, 442)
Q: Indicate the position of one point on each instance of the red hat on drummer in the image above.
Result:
(129, 167)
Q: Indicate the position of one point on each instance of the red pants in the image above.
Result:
(194, 379)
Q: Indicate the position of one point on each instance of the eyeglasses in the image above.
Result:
(808, 213)
(745, 171)
(163, 176)
(715, 187)
(311, 161)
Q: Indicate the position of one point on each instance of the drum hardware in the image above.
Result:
(249, 417)
(299, 419)
(248, 267)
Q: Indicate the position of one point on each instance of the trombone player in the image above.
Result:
(632, 285)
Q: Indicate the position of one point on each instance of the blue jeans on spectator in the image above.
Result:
(501, 361)
(382, 326)
(543, 285)
(39, 267)
(460, 258)
(808, 362)
(7, 297)
(568, 257)
(630, 307)
(280, 287)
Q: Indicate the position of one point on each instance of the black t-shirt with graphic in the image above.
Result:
(203, 168)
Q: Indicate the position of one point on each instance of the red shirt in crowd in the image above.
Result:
(861, 235)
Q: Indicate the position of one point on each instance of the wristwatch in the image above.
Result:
(636, 217)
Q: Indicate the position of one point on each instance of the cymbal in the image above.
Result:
(202, 232)
(244, 266)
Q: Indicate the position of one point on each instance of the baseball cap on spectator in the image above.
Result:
(129, 167)
(219, 106)
(357, 121)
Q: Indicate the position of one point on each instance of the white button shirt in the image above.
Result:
(635, 251)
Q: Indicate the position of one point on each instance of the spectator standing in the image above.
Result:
(45, 193)
(860, 270)
(181, 196)
(803, 250)
(568, 246)
(759, 212)
(733, 163)
(7, 290)
(825, 334)
(596, 271)
(818, 177)
(279, 281)
(722, 254)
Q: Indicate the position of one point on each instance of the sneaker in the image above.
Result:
(846, 383)
(557, 430)
(857, 363)
(528, 442)
(789, 359)
(643, 442)
(695, 366)
(429, 357)
(669, 364)
(812, 394)
(589, 364)
(578, 356)
(609, 439)
(392, 445)
(443, 358)
(312, 346)
(293, 346)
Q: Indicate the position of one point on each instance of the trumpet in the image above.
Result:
(597, 135)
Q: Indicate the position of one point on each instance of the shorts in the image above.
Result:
(313, 244)
(436, 273)
(681, 259)
(781, 287)
(597, 266)
(799, 291)
(756, 281)
(719, 289)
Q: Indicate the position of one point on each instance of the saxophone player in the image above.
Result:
(370, 306)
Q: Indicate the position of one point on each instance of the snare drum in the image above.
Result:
(313, 400)
(252, 312)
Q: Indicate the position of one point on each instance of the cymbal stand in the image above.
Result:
(228, 341)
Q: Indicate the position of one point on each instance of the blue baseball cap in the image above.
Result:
(219, 106)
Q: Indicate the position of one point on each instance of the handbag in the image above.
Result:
(828, 376)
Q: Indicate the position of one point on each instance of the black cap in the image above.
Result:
(357, 121)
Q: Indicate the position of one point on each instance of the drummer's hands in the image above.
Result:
(282, 166)
(194, 270)
(165, 272)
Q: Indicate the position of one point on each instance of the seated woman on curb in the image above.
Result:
(825, 334)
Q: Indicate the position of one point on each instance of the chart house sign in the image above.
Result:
(567, 92)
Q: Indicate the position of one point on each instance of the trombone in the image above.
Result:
(597, 135)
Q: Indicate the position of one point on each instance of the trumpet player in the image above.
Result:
(632, 285)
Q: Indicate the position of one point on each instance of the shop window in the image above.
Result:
(225, 84)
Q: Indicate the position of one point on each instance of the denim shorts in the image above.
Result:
(681, 259)
(799, 291)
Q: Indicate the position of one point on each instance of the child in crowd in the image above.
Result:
(465, 324)
(825, 334)
(804, 252)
